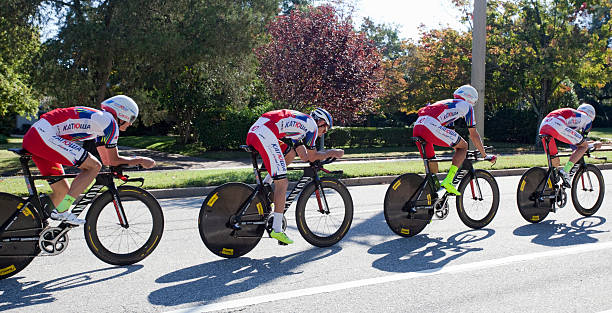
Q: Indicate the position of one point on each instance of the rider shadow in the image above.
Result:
(210, 281)
(17, 295)
(422, 252)
(553, 234)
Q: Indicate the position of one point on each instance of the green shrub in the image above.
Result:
(223, 129)
(3, 139)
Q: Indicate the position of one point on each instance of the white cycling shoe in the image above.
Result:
(67, 217)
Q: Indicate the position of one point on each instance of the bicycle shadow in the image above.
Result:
(17, 294)
(553, 234)
(210, 281)
(422, 252)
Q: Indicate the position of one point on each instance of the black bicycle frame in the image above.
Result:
(310, 173)
(466, 168)
(102, 180)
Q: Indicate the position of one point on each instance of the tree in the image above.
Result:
(138, 46)
(19, 45)
(535, 45)
(316, 59)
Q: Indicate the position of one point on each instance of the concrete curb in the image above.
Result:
(358, 181)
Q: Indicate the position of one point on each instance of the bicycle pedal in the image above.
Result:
(280, 243)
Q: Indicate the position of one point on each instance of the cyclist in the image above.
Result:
(278, 136)
(434, 125)
(566, 125)
(52, 143)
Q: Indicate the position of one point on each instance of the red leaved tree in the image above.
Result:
(315, 59)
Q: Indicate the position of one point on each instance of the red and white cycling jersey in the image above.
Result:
(295, 127)
(51, 140)
(433, 119)
(566, 125)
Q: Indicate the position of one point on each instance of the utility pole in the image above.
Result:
(479, 39)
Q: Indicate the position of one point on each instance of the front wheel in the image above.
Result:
(588, 190)
(402, 196)
(324, 216)
(477, 205)
(533, 186)
(119, 243)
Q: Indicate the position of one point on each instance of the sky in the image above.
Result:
(409, 14)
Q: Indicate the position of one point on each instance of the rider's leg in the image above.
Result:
(581, 148)
(89, 170)
(60, 190)
(280, 190)
(458, 158)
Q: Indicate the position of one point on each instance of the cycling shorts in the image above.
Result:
(50, 151)
(557, 128)
(432, 131)
(265, 142)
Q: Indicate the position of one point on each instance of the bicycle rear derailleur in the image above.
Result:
(54, 240)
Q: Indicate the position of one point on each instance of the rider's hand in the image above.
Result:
(597, 144)
(335, 153)
(146, 162)
(491, 158)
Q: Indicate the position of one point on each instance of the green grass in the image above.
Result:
(603, 134)
(194, 178)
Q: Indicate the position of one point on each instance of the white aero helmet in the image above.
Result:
(322, 114)
(123, 107)
(467, 93)
(587, 109)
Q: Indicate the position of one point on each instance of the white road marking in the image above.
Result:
(393, 278)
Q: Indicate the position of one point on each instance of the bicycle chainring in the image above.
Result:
(561, 198)
(53, 240)
(441, 207)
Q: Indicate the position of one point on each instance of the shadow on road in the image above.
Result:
(17, 294)
(210, 281)
(553, 234)
(422, 252)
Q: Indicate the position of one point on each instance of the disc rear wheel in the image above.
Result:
(17, 255)
(217, 215)
(396, 206)
(532, 186)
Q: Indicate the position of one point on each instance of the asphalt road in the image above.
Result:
(559, 265)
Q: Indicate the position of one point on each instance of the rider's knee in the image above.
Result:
(91, 164)
(461, 145)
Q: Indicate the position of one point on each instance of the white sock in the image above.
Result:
(267, 179)
(277, 223)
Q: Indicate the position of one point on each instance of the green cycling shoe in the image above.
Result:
(450, 188)
(282, 237)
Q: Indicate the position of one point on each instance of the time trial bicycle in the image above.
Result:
(234, 216)
(542, 191)
(412, 200)
(124, 224)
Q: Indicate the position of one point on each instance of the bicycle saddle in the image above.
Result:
(19, 151)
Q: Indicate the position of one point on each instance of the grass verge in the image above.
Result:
(195, 178)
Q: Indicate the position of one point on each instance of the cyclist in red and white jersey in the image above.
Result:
(52, 143)
(278, 136)
(433, 126)
(569, 125)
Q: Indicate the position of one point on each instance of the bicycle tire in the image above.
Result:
(114, 244)
(488, 201)
(214, 220)
(27, 224)
(398, 193)
(335, 224)
(581, 181)
(525, 192)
